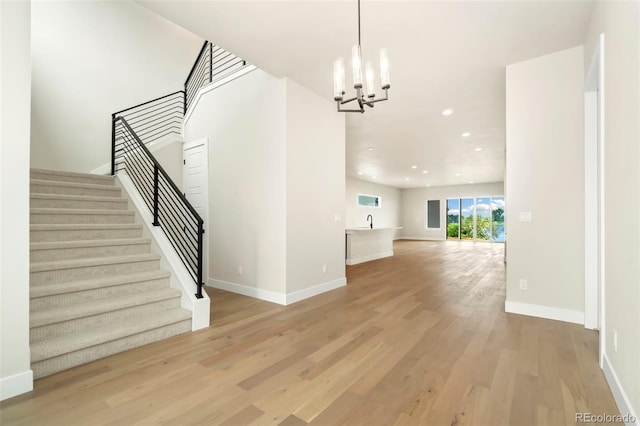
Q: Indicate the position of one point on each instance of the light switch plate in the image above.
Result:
(525, 216)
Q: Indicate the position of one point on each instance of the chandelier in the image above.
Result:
(363, 97)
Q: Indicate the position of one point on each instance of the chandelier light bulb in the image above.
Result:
(356, 63)
(370, 79)
(384, 69)
(338, 79)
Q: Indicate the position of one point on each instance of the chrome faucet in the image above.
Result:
(370, 217)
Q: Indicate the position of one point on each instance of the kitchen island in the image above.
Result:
(364, 244)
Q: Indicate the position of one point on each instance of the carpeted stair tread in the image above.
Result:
(83, 285)
(94, 261)
(53, 174)
(52, 245)
(62, 184)
(65, 211)
(73, 197)
(99, 306)
(82, 226)
(49, 348)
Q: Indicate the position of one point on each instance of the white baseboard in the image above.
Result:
(297, 296)
(258, 293)
(547, 312)
(356, 260)
(622, 400)
(274, 297)
(16, 385)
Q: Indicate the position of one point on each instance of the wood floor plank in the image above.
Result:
(420, 338)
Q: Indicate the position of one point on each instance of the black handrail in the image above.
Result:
(164, 199)
(195, 64)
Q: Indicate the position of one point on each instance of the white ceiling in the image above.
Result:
(444, 54)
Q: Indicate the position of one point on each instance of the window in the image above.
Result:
(480, 218)
(369, 200)
(433, 214)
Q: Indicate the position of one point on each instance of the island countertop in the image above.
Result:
(355, 229)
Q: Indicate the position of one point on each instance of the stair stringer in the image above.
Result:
(169, 260)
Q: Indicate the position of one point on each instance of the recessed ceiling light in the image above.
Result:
(427, 185)
(458, 174)
(425, 171)
(471, 182)
(414, 167)
(373, 177)
(478, 149)
(406, 178)
(370, 148)
(466, 134)
(359, 173)
(447, 111)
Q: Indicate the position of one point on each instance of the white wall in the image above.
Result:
(170, 158)
(620, 23)
(91, 59)
(276, 182)
(388, 215)
(245, 123)
(414, 206)
(545, 176)
(15, 65)
(315, 189)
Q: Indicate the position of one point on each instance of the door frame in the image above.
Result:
(204, 142)
(594, 142)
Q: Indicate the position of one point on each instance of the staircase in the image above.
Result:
(95, 287)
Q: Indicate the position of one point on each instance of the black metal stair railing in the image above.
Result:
(177, 218)
(157, 118)
(134, 129)
(213, 63)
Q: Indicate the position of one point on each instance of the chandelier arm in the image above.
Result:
(346, 101)
(349, 110)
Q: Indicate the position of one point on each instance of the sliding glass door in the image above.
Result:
(497, 219)
(480, 218)
(453, 219)
(467, 212)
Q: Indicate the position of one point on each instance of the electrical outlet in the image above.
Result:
(523, 284)
(615, 340)
(324, 269)
(240, 270)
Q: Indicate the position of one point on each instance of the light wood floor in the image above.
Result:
(417, 339)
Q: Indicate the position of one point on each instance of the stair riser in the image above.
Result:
(78, 204)
(53, 365)
(88, 252)
(54, 218)
(70, 178)
(107, 191)
(82, 324)
(68, 299)
(84, 234)
(83, 273)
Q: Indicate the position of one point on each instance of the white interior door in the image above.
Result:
(195, 178)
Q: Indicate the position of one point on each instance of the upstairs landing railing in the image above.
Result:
(136, 128)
